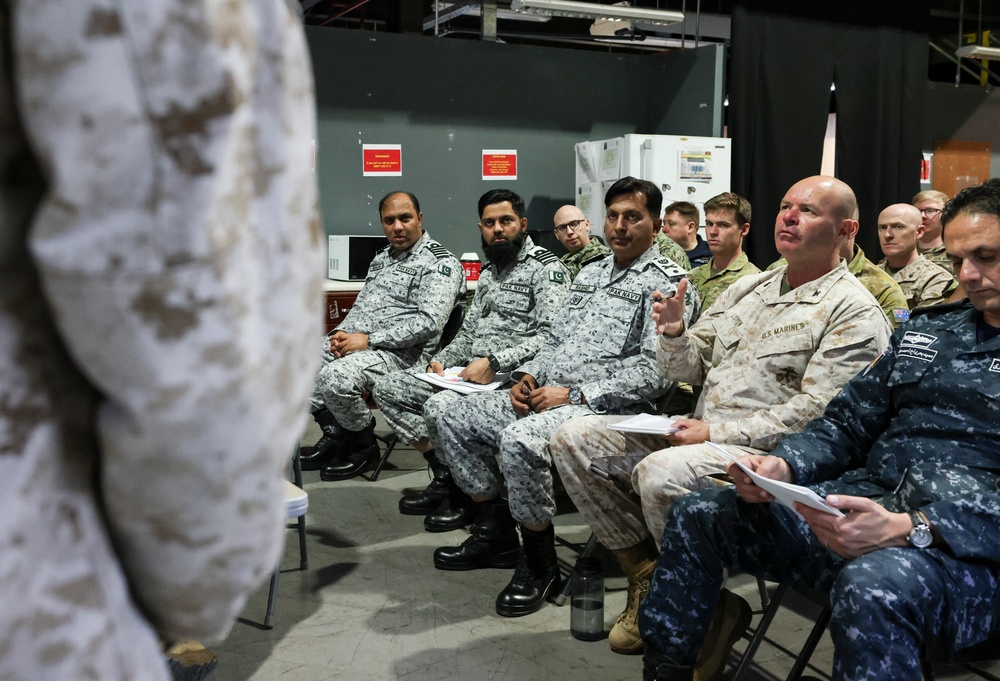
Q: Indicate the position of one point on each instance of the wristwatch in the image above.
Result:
(920, 536)
(494, 364)
(575, 396)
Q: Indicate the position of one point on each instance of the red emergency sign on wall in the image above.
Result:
(499, 164)
(382, 160)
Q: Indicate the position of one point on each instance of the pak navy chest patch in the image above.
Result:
(516, 288)
(405, 270)
(995, 366)
(625, 295)
(917, 345)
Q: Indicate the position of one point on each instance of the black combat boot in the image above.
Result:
(327, 447)
(431, 497)
(359, 453)
(455, 512)
(493, 542)
(657, 666)
(536, 576)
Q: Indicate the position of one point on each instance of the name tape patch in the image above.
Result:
(405, 270)
(583, 287)
(516, 288)
(625, 295)
(922, 354)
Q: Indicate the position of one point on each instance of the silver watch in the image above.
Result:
(920, 536)
(575, 396)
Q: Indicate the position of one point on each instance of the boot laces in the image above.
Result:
(635, 593)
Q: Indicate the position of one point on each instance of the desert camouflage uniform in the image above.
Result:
(594, 250)
(918, 430)
(711, 285)
(604, 344)
(877, 281)
(510, 317)
(767, 364)
(923, 283)
(671, 250)
(160, 260)
(403, 307)
(939, 256)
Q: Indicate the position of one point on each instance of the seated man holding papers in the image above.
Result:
(519, 294)
(909, 450)
(769, 355)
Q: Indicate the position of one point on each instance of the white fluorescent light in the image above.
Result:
(590, 10)
(978, 52)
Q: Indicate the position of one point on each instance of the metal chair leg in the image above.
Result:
(272, 597)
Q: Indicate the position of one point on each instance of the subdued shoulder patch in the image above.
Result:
(543, 255)
(439, 251)
(668, 267)
(557, 276)
(901, 315)
(444, 269)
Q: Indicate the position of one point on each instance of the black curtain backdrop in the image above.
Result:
(784, 57)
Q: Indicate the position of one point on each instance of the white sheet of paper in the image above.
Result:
(646, 423)
(784, 492)
(452, 381)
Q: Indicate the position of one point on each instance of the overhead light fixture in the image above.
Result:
(446, 11)
(591, 10)
(978, 52)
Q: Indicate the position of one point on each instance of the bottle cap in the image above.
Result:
(470, 256)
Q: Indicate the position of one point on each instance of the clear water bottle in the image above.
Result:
(586, 617)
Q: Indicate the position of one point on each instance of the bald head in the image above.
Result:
(572, 228)
(899, 229)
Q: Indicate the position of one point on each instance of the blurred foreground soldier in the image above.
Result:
(922, 282)
(519, 295)
(413, 284)
(159, 260)
(573, 231)
(909, 450)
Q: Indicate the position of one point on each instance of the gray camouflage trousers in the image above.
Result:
(486, 444)
(412, 407)
(619, 520)
(884, 603)
(341, 384)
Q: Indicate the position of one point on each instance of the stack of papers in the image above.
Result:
(784, 492)
(452, 381)
(646, 423)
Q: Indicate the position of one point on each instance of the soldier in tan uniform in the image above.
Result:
(160, 264)
(769, 355)
(572, 229)
(930, 203)
(727, 222)
(922, 282)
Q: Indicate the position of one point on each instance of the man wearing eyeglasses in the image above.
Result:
(931, 246)
(573, 231)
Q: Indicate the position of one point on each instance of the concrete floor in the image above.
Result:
(371, 606)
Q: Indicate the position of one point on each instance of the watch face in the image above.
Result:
(921, 537)
(574, 395)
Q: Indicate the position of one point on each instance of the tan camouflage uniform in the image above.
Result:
(923, 283)
(877, 281)
(939, 256)
(160, 261)
(710, 285)
(511, 316)
(574, 262)
(672, 250)
(767, 363)
(403, 307)
(604, 343)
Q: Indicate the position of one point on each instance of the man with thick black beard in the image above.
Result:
(519, 294)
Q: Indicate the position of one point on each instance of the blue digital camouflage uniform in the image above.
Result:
(403, 307)
(919, 429)
(604, 344)
(510, 317)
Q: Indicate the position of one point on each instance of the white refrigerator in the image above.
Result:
(684, 168)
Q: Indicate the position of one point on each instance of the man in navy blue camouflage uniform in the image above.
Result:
(910, 452)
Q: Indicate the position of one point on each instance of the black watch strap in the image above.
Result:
(494, 363)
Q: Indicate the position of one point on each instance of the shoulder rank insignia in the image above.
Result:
(668, 267)
(543, 255)
(439, 251)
